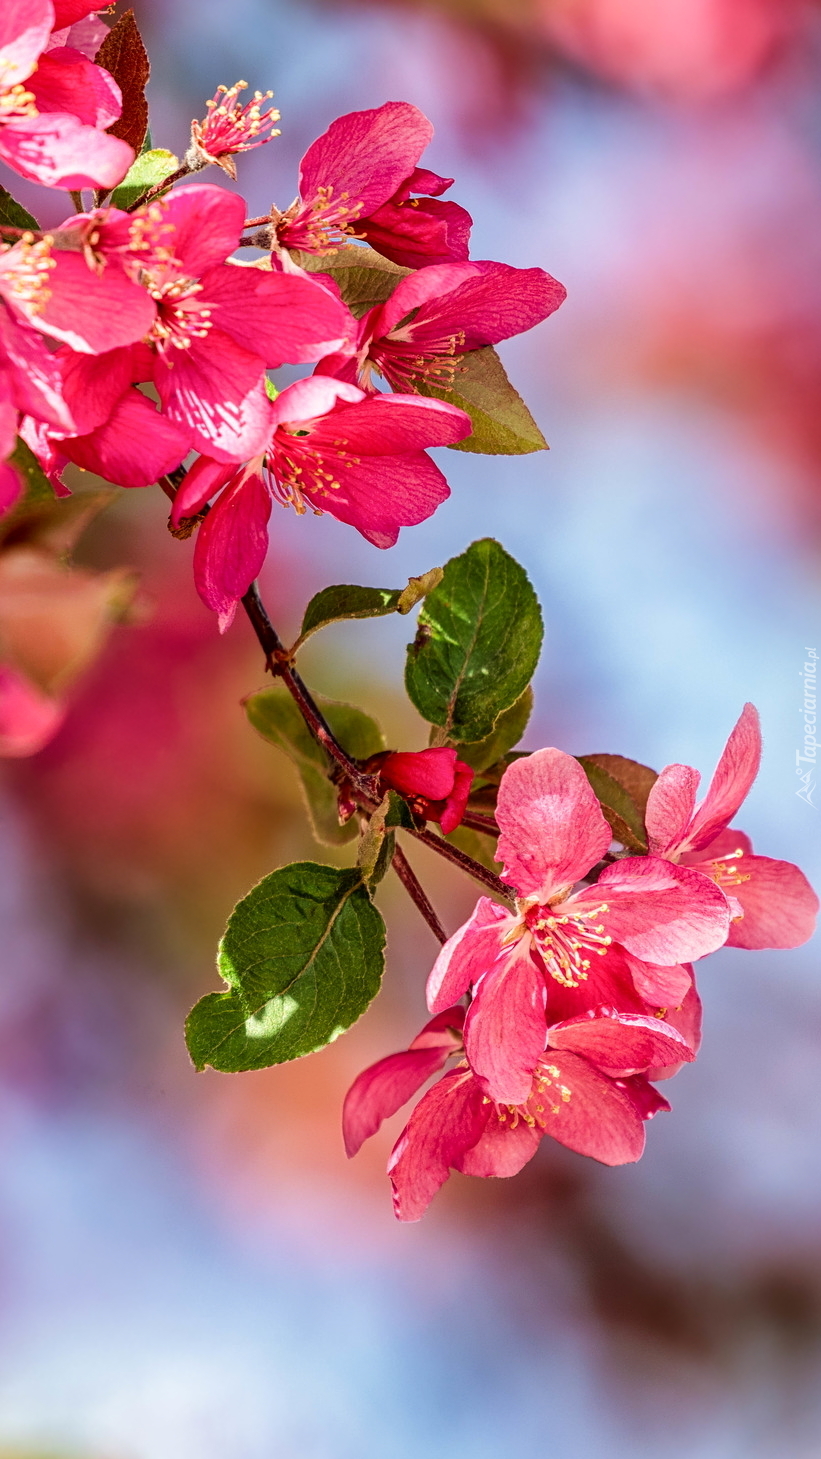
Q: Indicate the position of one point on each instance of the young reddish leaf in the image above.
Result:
(622, 787)
(124, 56)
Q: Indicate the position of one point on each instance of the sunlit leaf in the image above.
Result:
(303, 956)
(147, 171)
(346, 600)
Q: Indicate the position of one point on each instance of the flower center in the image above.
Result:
(401, 361)
(24, 272)
(230, 127)
(322, 224)
(725, 870)
(181, 316)
(547, 1096)
(16, 102)
(563, 941)
(295, 468)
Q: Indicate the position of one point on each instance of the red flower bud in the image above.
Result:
(436, 784)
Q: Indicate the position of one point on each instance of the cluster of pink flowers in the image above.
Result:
(115, 300)
(585, 995)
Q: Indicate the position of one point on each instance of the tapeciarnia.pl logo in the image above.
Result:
(806, 762)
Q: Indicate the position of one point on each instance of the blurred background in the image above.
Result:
(189, 1268)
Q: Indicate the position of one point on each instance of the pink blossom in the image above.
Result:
(216, 325)
(329, 447)
(357, 180)
(588, 1091)
(30, 380)
(230, 128)
(553, 834)
(772, 902)
(437, 315)
(55, 104)
(28, 717)
(435, 782)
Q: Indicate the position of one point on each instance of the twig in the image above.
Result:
(417, 894)
(159, 188)
(477, 822)
(465, 863)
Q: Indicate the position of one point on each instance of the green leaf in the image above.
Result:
(274, 713)
(622, 787)
(14, 216)
(303, 956)
(364, 277)
(502, 423)
(477, 645)
(346, 600)
(147, 171)
(507, 732)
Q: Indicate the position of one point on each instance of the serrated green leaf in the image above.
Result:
(364, 277)
(345, 600)
(14, 216)
(478, 643)
(147, 171)
(507, 732)
(274, 713)
(303, 956)
(502, 423)
(621, 787)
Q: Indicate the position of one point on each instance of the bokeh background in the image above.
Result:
(189, 1269)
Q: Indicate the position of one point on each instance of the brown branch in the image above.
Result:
(417, 894)
(184, 170)
(465, 863)
(477, 822)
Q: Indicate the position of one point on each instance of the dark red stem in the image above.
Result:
(417, 894)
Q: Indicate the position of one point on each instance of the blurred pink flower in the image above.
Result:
(552, 834)
(772, 902)
(357, 180)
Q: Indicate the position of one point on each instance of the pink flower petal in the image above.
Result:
(427, 289)
(202, 481)
(366, 154)
(490, 303)
(28, 718)
(456, 806)
(506, 1026)
(382, 1089)
(380, 495)
(420, 772)
(660, 985)
(232, 542)
(278, 316)
(686, 1019)
(59, 151)
(552, 826)
(11, 487)
(134, 447)
(623, 1043)
(35, 383)
(468, 954)
(596, 1117)
(780, 906)
(647, 1100)
(207, 223)
(391, 425)
(423, 231)
(609, 982)
(446, 1122)
(501, 1150)
(662, 914)
(670, 806)
(216, 388)
(66, 81)
(24, 30)
(308, 400)
(734, 774)
(93, 313)
(67, 12)
(92, 385)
